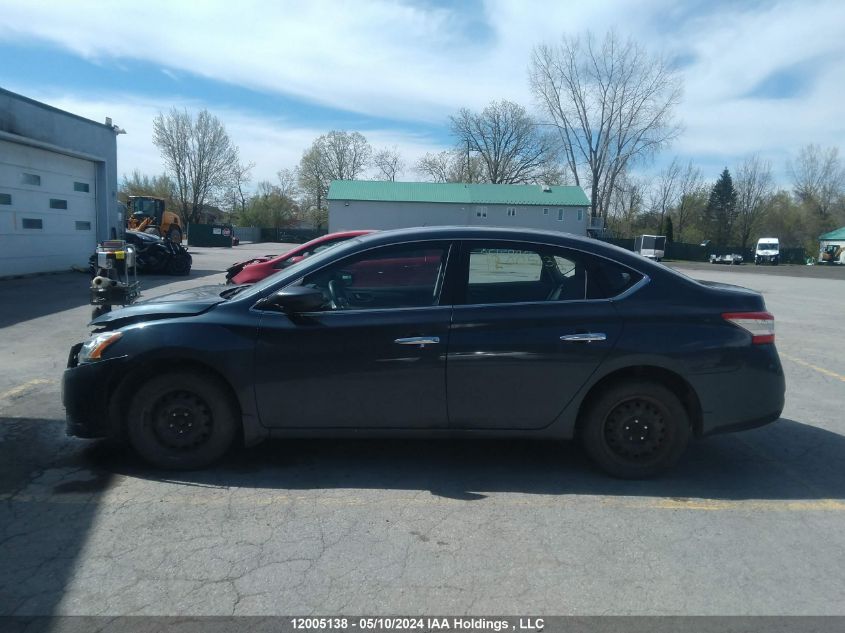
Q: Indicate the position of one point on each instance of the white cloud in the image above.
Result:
(421, 63)
(272, 144)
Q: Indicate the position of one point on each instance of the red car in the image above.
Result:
(256, 269)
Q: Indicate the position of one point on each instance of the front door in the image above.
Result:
(374, 357)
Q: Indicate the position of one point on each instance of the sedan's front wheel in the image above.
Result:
(182, 420)
(636, 430)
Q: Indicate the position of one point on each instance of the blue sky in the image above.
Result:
(764, 77)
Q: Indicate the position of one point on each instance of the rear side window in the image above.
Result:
(521, 273)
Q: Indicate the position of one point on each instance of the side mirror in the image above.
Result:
(293, 299)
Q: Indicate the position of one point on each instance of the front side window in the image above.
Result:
(513, 273)
(405, 276)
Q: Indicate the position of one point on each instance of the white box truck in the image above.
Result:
(651, 246)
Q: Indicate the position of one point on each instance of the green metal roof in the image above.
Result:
(838, 234)
(386, 191)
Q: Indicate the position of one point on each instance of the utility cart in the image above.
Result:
(116, 280)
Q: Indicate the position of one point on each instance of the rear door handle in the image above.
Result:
(422, 341)
(584, 337)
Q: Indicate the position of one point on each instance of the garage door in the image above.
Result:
(47, 210)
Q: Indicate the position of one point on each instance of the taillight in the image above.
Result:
(761, 325)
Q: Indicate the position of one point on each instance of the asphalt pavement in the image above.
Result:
(750, 523)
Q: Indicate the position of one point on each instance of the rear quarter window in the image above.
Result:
(608, 279)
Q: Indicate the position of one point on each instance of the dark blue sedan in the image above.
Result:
(450, 331)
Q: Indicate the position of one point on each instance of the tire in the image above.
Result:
(635, 407)
(205, 419)
(175, 235)
(179, 264)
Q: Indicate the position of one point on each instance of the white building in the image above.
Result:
(58, 186)
(369, 204)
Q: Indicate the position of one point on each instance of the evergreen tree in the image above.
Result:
(721, 209)
(668, 229)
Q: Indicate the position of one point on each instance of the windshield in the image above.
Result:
(768, 246)
(290, 271)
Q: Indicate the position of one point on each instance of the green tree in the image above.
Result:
(138, 184)
(269, 207)
(721, 209)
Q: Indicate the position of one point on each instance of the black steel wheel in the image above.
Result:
(635, 430)
(182, 420)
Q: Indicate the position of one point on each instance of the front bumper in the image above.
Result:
(86, 392)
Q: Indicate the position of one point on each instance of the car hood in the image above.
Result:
(183, 303)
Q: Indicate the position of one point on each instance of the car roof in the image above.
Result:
(568, 240)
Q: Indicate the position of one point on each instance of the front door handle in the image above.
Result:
(422, 341)
(584, 337)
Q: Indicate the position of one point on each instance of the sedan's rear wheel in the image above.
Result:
(636, 430)
(182, 420)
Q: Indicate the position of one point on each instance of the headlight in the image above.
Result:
(92, 349)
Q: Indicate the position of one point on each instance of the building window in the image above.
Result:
(31, 179)
(31, 223)
(83, 226)
(56, 203)
(560, 215)
(580, 214)
(511, 212)
(545, 212)
(81, 186)
(481, 212)
(5, 198)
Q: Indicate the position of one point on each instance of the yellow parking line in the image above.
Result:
(754, 505)
(821, 370)
(16, 391)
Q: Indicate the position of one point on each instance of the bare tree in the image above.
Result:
(451, 166)
(511, 146)
(241, 176)
(689, 190)
(611, 102)
(338, 155)
(665, 192)
(289, 182)
(389, 163)
(818, 178)
(345, 154)
(753, 189)
(626, 203)
(199, 155)
(313, 179)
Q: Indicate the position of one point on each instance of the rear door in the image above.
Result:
(532, 325)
